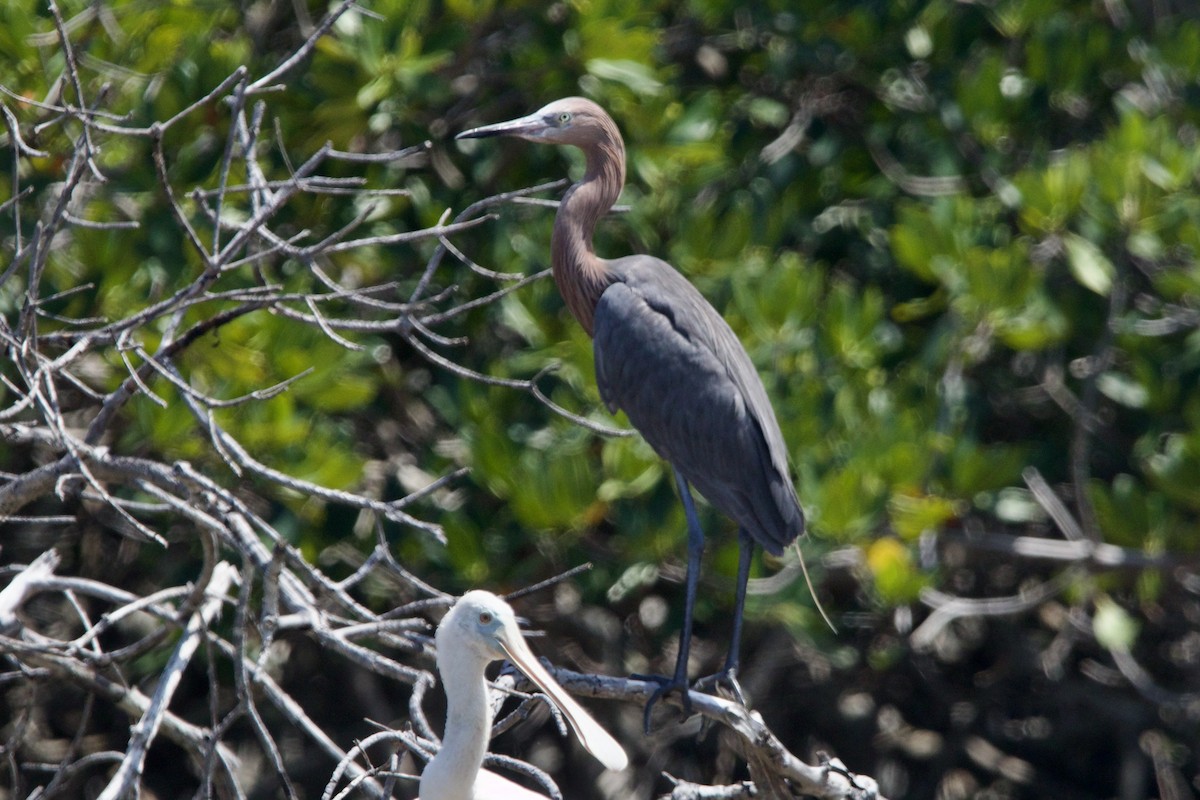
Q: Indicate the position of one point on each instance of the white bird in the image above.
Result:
(479, 629)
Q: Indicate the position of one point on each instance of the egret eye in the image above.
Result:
(564, 118)
(485, 617)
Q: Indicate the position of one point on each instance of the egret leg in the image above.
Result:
(728, 675)
(695, 551)
(745, 554)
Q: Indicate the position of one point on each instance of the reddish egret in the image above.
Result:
(478, 630)
(668, 360)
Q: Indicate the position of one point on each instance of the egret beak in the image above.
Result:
(530, 127)
(595, 739)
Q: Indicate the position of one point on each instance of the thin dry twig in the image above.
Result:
(82, 469)
(73, 386)
(147, 727)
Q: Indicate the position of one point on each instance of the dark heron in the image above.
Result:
(667, 359)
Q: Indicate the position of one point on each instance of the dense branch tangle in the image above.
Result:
(70, 384)
(231, 231)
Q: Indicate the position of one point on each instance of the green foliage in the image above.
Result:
(896, 579)
(918, 216)
(1113, 626)
(959, 241)
(892, 325)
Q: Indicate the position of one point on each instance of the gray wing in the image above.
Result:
(668, 360)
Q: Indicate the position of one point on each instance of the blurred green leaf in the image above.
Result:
(637, 77)
(896, 577)
(912, 515)
(1115, 629)
(1089, 265)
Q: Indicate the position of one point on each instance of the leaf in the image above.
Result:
(1089, 265)
(1123, 389)
(765, 111)
(638, 77)
(911, 515)
(891, 564)
(1016, 505)
(1114, 628)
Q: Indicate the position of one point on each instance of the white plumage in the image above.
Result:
(479, 629)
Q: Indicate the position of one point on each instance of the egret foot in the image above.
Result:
(665, 687)
(726, 678)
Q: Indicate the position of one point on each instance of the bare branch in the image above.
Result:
(28, 581)
(302, 52)
(147, 727)
(948, 608)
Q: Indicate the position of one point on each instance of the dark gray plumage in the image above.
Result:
(668, 360)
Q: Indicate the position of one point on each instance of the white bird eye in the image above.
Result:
(485, 617)
(564, 118)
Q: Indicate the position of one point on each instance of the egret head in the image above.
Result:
(571, 120)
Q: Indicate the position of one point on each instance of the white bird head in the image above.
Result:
(483, 625)
(477, 623)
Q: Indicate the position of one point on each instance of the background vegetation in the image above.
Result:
(958, 239)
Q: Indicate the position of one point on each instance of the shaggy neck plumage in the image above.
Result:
(581, 276)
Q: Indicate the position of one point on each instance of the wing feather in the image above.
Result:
(667, 358)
